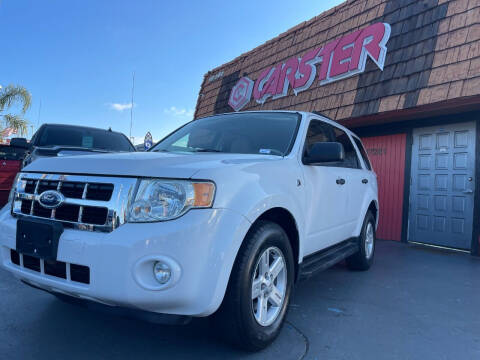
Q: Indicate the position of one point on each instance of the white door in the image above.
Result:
(327, 196)
(363, 179)
(356, 181)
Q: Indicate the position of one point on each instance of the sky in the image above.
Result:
(77, 57)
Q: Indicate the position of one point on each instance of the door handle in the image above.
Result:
(341, 181)
(468, 191)
(365, 181)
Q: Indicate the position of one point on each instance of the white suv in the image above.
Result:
(221, 218)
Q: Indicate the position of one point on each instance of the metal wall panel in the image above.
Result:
(387, 154)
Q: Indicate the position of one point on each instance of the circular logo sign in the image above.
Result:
(241, 93)
(51, 199)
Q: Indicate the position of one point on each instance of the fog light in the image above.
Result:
(162, 272)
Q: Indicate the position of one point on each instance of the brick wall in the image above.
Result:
(433, 55)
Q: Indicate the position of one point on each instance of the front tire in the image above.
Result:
(256, 302)
(363, 259)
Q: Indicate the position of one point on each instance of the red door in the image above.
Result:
(387, 154)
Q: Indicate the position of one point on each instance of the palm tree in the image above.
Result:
(11, 95)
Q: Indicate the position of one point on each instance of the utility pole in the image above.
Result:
(38, 117)
(131, 107)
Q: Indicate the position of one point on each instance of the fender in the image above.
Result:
(288, 203)
(279, 201)
(238, 236)
(366, 203)
(251, 189)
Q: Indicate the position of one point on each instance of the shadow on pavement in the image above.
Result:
(47, 327)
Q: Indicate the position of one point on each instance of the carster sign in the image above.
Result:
(338, 60)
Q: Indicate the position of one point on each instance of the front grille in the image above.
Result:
(73, 190)
(91, 203)
(59, 269)
(102, 192)
(56, 268)
(26, 207)
(47, 185)
(40, 211)
(30, 186)
(68, 212)
(94, 215)
(31, 263)
(80, 273)
(15, 257)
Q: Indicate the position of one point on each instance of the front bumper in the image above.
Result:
(203, 243)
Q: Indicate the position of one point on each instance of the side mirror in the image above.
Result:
(324, 152)
(19, 143)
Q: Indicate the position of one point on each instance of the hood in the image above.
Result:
(149, 164)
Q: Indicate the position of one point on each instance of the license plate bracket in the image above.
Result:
(38, 238)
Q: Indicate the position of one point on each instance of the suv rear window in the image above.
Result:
(351, 158)
(363, 153)
(83, 137)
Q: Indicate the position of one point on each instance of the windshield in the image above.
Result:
(84, 137)
(246, 133)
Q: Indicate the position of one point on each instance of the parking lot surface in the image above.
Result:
(415, 303)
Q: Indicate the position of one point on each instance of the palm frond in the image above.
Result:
(13, 94)
(16, 122)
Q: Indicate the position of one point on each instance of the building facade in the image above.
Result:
(402, 74)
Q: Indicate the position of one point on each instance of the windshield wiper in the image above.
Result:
(208, 150)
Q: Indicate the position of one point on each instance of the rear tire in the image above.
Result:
(257, 297)
(363, 259)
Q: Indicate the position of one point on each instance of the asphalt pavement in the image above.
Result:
(415, 303)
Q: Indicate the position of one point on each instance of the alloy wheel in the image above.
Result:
(369, 240)
(269, 285)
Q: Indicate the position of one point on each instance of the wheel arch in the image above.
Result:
(369, 205)
(285, 219)
(373, 207)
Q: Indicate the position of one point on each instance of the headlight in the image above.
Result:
(14, 188)
(160, 200)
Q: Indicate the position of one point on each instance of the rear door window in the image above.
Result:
(319, 131)
(360, 147)
(351, 158)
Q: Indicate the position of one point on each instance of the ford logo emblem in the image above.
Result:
(51, 199)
